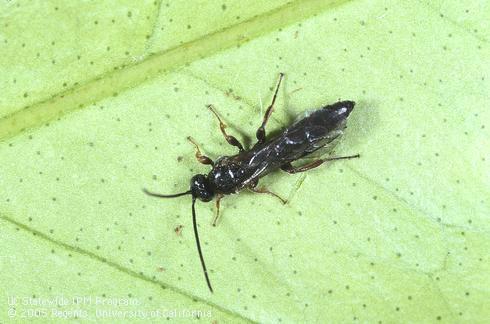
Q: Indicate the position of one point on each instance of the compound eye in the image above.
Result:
(200, 188)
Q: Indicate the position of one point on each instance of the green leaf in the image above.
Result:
(97, 99)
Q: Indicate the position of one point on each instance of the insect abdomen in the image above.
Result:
(314, 131)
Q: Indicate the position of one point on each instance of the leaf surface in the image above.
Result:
(98, 99)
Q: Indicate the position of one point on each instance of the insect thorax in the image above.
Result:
(226, 176)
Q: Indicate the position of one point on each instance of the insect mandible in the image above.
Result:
(230, 174)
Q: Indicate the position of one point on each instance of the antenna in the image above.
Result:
(194, 223)
(196, 234)
(166, 196)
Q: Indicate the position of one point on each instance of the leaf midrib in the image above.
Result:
(129, 76)
(85, 100)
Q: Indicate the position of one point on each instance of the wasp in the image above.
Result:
(231, 174)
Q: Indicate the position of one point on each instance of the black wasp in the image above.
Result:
(230, 174)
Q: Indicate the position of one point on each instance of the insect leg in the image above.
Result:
(290, 169)
(260, 134)
(201, 158)
(230, 139)
(216, 217)
(264, 190)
